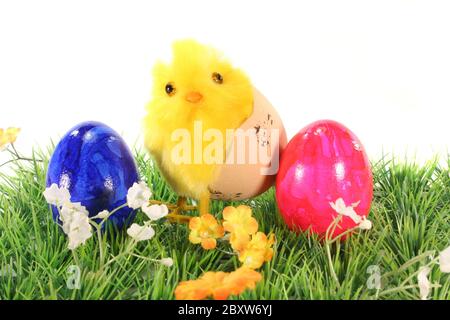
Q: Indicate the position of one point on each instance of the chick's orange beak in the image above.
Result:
(194, 97)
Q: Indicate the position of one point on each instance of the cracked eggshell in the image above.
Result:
(253, 170)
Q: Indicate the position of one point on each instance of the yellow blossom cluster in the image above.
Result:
(8, 136)
(253, 248)
(218, 285)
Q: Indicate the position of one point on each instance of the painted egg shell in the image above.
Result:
(325, 161)
(97, 167)
(256, 171)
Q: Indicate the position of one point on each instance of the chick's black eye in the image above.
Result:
(217, 77)
(170, 89)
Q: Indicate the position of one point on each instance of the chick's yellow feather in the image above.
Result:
(220, 105)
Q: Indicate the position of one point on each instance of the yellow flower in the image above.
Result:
(240, 223)
(242, 279)
(215, 282)
(239, 220)
(8, 136)
(218, 285)
(205, 230)
(257, 251)
(197, 289)
(239, 240)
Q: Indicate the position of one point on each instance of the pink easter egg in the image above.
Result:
(324, 162)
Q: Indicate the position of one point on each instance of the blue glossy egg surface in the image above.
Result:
(97, 167)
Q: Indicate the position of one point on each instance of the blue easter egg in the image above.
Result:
(97, 167)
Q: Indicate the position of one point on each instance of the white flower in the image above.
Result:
(102, 215)
(140, 233)
(68, 212)
(56, 196)
(168, 262)
(156, 211)
(80, 230)
(340, 207)
(138, 195)
(75, 219)
(444, 260)
(424, 284)
(365, 225)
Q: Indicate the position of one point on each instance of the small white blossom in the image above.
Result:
(156, 211)
(365, 225)
(75, 219)
(340, 207)
(349, 211)
(67, 213)
(140, 233)
(424, 283)
(168, 262)
(138, 195)
(80, 231)
(102, 215)
(355, 204)
(444, 260)
(56, 196)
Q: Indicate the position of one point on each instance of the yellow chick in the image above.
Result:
(198, 88)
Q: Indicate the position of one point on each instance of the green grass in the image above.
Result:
(410, 214)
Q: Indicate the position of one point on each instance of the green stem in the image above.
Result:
(125, 252)
(112, 212)
(330, 231)
(401, 288)
(417, 271)
(19, 157)
(15, 160)
(100, 246)
(98, 227)
(75, 258)
(409, 263)
(332, 228)
(343, 234)
(330, 263)
(144, 258)
(396, 289)
(403, 285)
(227, 252)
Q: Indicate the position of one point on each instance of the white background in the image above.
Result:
(381, 67)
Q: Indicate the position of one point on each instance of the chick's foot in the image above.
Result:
(176, 210)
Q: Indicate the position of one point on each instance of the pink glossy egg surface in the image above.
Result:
(325, 161)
